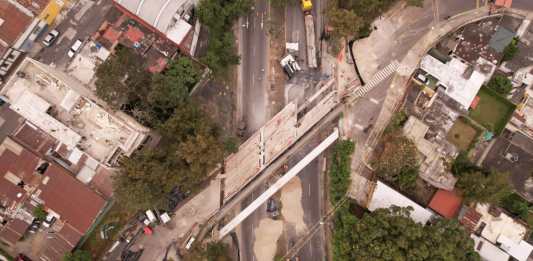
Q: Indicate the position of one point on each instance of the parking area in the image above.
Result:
(514, 153)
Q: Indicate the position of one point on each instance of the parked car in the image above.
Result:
(74, 48)
(34, 227)
(512, 157)
(422, 78)
(50, 38)
(272, 208)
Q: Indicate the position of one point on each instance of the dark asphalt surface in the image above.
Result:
(81, 22)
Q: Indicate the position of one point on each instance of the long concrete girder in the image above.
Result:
(279, 184)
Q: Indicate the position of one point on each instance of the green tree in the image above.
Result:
(39, 212)
(345, 23)
(515, 204)
(188, 151)
(510, 50)
(462, 164)
(78, 255)
(389, 234)
(340, 170)
(417, 3)
(122, 79)
(500, 84)
(398, 163)
(218, 17)
(484, 188)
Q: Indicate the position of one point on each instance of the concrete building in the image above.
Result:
(62, 108)
(384, 196)
(171, 18)
(491, 225)
(458, 80)
(433, 168)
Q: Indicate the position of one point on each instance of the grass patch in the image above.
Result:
(493, 111)
(462, 134)
(94, 243)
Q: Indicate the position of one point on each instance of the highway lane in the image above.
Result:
(254, 57)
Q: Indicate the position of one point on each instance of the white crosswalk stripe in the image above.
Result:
(377, 79)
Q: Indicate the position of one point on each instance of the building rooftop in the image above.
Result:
(13, 231)
(433, 169)
(499, 224)
(56, 105)
(384, 196)
(72, 201)
(461, 81)
(446, 203)
(164, 15)
(487, 250)
(14, 23)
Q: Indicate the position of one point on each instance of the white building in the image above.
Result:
(460, 80)
(384, 196)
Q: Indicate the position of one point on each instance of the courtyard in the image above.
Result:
(493, 111)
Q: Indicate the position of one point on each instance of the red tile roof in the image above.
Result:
(470, 219)
(76, 204)
(15, 22)
(13, 231)
(111, 34)
(22, 166)
(35, 6)
(134, 34)
(35, 138)
(504, 3)
(446, 203)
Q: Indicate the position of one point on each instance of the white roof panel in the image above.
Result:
(450, 74)
(385, 197)
(487, 250)
(178, 32)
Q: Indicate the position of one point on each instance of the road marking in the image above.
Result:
(309, 191)
(374, 101)
(359, 126)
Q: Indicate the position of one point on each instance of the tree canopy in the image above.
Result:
(500, 84)
(123, 83)
(340, 170)
(211, 252)
(515, 204)
(218, 17)
(398, 163)
(484, 188)
(188, 151)
(389, 234)
(510, 50)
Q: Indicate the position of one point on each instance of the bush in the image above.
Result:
(340, 170)
(515, 204)
(398, 163)
(500, 84)
(39, 212)
(510, 50)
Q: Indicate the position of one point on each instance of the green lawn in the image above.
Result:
(462, 134)
(493, 111)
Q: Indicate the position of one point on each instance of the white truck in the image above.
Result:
(290, 66)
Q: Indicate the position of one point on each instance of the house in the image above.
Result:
(433, 169)
(490, 225)
(14, 22)
(29, 180)
(458, 80)
(170, 19)
(383, 196)
(446, 203)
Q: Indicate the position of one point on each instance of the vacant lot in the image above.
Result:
(462, 134)
(493, 111)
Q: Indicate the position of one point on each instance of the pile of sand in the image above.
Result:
(267, 235)
(291, 202)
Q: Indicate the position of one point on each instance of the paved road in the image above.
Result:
(254, 59)
(254, 64)
(80, 23)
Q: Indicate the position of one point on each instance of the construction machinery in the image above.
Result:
(307, 7)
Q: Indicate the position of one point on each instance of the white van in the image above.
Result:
(74, 48)
(151, 216)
